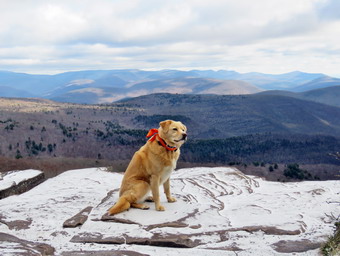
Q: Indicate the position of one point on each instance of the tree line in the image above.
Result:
(267, 148)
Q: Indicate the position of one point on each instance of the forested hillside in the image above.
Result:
(221, 116)
(223, 130)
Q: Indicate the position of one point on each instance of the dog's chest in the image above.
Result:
(167, 170)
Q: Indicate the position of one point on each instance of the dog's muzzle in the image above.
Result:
(184, 137)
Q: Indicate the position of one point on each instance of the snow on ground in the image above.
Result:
(15, 177)
(219, 211)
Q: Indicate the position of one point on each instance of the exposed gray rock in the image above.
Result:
(16, 224)
(162, 240)
(296, 246)
(78, 219)
(167, 225)
(23, 247)
(22, 186)
(103, 253)
(111, 218)
(267, 230)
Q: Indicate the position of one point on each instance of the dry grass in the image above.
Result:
(34, 105)
(332, 247)
(29, 105)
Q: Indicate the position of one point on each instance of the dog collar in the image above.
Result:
(153, 134)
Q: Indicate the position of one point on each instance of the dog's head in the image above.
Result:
(174, 133)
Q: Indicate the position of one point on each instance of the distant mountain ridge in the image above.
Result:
(329, 95)
(318, 83)
(105, 86)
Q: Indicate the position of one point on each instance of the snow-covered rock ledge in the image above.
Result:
(219, 211)
(17, 182)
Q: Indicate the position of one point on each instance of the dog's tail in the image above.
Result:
(122, 204)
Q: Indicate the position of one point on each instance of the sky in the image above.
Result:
(268, 36)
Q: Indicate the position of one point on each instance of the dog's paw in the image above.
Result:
(160, 208)
(145, 207)
(140, 206)
(171, 199)
(149, 199)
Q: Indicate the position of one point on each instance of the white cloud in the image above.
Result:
(264, 35)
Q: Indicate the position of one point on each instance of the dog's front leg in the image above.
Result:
(166, 186)
(155, 192)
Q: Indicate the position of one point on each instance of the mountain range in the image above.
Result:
(106, 86)
(328, 95)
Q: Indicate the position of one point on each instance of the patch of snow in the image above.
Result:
(80, 82)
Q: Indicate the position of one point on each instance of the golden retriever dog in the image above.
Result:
(151, 167)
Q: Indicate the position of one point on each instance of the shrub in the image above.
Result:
(332, 246)
(18, 154)
(293, 171)
(256, 164)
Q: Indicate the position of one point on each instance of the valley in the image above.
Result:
(252, 132)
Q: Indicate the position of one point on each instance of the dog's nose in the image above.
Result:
(184, 136)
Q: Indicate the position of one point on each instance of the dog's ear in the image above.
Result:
(165, 125)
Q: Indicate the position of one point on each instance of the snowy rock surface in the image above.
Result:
(219, 211)
(17, 182)
(15, 177)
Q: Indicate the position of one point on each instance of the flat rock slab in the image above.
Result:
(104, 253)
(296, 246)
(17, 182)
(16, 224)
(78, 219)
(11, 245)
(219, 211)
(160, 239)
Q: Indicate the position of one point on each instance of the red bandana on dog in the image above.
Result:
(153, 133)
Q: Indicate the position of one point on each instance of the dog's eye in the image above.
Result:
(175, 129)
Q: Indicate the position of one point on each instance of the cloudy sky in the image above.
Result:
(269, 36)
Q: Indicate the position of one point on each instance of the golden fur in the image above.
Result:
(149, 168)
